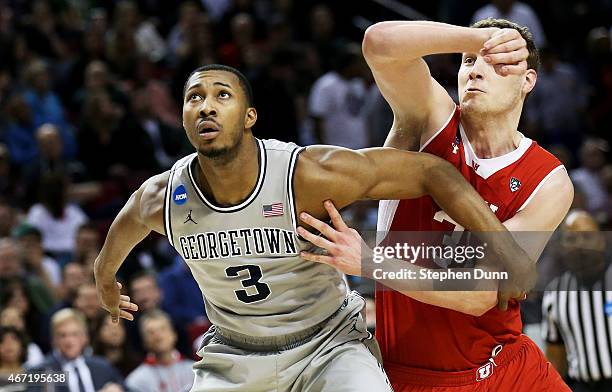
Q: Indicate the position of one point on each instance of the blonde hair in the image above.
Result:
(62, 316)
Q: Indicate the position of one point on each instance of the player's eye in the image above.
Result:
(194, 96)
(468, 60)
(224, 95)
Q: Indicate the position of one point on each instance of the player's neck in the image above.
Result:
(229, 183)
(492, 136)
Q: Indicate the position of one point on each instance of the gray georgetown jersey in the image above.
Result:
(245, 258)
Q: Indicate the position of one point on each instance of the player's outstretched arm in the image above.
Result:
(142, 213)
(344, 176)
(394, 51)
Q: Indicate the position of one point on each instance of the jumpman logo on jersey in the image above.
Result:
(190, 219)
(354, 323)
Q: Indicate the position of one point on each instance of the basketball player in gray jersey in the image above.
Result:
(280, 323)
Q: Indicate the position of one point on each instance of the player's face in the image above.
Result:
(482, 89)
(215, 113)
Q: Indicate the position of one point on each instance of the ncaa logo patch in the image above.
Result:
(515, 184)
(180, 195)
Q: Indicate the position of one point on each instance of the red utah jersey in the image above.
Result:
(418, 335)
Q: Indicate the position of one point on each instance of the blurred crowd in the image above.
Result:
(90, 106)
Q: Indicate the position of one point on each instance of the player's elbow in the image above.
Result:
(375, 45)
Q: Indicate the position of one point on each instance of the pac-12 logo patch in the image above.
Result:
(180, 195)
(515, 184)
(608, 308)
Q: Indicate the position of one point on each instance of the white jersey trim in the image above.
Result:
(250, 198)
(386, 213)
(439, 130)
(535, 191)
(486, 167)
(167, 225)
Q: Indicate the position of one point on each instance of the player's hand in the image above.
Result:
(504, 297)
(507, 50)
(342, 243)
(515, 287)
(118, 305)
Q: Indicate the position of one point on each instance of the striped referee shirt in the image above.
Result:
(581, 318)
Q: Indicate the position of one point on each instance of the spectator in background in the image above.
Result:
(13, 352)
(57, 220)
(164, 369)
(587, 177)
(190, 14)
(86, 247)
(182, 297)
(50, 147)
(8, 176)
(46, 106)
(165, 140)
(97, 78)
(514, 11)
(555, 110)
(149, 43)
(14, 294)
(145, 292)
(337, 100)
(74, 276)
(107, 145)
(34, 259)
(85, 373)
(576, 307)
(19, 130)
(40, 31)
(109, 341)
(13, 273)
(12, 317)
(87, 303)
(7, 218)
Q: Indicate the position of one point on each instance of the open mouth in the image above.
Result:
(208, 129)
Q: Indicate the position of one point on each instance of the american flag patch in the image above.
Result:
(275, 209)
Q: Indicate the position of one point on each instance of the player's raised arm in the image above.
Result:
(142, 213)
(394, 51)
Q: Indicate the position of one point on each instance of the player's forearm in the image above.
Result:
(407, 40)
(458, 198)
(126, 231)
(465, 295)
(473, 303)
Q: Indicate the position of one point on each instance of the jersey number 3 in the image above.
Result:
(253, 275)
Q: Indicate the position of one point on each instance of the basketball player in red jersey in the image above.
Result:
(439, 341)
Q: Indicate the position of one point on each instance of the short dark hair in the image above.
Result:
(533, 60)
(244, 82)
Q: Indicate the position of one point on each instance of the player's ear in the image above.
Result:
(250, 117)
(530, 81)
